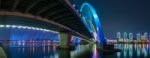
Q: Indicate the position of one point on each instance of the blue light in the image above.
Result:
(75, 40)
(18, 32)
(89, 15)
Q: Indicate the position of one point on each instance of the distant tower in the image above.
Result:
(118, 35)
(146, 35)
(130, 36)
(125, 36)
(138, 36)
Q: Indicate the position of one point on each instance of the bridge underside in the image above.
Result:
(57, 11)
(46, 20)
(19, 30)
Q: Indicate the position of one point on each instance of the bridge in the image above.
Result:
(38, 19)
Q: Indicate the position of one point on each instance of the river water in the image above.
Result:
(79, 51)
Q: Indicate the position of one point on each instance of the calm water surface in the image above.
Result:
(80, 51)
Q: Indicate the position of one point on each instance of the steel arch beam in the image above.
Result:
(95, 21)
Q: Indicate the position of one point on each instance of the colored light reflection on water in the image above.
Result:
(95, 52)
(80, 51)
(133, 50)
(32, 52)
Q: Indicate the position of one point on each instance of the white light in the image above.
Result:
(7, 26)
(32, 28)
(45, 30)
(2, 26)
(95, 16)
(13, 26)
(37, 28)
(24, 27)
(48, 30)
(28, 27)
(41, 29)
(19, 27)
(73, 5)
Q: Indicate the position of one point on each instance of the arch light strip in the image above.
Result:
(97, 22)
(27, 27)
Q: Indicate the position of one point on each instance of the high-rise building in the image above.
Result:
(118, 35)
(138, 36)
(145, 35)
(125, 36)
(130, 36)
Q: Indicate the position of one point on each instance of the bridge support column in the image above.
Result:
(65, 38)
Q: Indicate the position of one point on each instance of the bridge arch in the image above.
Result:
(92, 22)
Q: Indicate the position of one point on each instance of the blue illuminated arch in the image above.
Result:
(92, 22)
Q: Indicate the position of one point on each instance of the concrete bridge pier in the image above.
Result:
(65, 38)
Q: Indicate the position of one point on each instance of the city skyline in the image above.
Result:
(128, 15)
(132, 36)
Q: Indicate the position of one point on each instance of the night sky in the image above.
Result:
(122, 15)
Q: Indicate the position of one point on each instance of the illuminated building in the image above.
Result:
(142, 37)
(146, 35)
(138, 36)
(118, 35)
(130, 36)
(125, 36)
